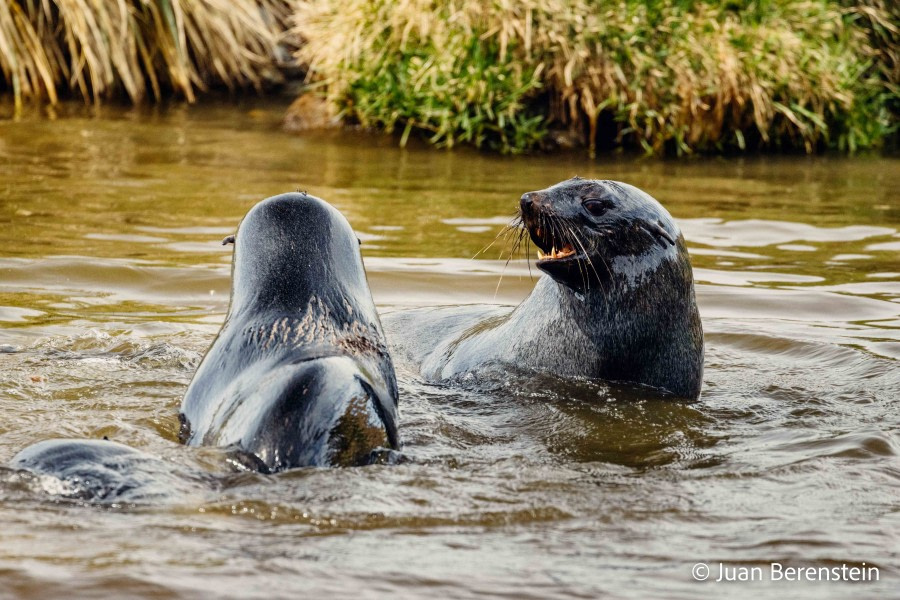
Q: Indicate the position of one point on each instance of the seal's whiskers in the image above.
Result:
(515, 225)
(504, 233)
(590, 261)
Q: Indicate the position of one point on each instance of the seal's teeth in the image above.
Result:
(556, 253)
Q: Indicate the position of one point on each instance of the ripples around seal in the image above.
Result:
(511, 485)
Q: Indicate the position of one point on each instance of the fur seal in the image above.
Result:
(104, 472)
(617, 301)
(299, 374)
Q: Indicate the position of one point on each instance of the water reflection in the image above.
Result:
(113, 282)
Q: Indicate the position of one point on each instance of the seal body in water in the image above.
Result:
(103, 471)
(299, 374)
(617, 302)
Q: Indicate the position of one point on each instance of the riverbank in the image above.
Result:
(667, 77)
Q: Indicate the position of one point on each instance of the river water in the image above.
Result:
(113, 283)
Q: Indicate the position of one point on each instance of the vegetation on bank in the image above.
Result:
(101, 48)
(666, 75)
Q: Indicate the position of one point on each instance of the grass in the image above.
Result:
(667, 76)
(99, 48)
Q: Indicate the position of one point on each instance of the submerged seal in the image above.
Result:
(617, 302)
(103, 471)
(299, 374)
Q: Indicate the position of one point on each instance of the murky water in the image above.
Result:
(113, 283)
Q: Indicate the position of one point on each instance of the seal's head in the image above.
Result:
(589, 231)
(287, 247)
(624, 275)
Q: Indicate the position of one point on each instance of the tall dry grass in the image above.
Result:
(96, 47)
(665, 75)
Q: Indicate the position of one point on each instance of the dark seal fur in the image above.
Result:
(101, 471)
(299, 375)
(618, 302)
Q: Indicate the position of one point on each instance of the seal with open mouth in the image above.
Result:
(618, 303)
(300, 374)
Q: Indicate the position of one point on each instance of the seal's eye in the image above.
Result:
(597, 206)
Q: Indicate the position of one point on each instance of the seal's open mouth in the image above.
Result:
(565, 252)
(550, 248)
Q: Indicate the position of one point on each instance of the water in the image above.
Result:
(113, 283)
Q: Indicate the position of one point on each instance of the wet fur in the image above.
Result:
(625, 312)
(300, 374)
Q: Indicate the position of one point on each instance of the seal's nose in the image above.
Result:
(527, 201)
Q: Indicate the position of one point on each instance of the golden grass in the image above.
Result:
(663, 75)
(670, 75)
(96, 47)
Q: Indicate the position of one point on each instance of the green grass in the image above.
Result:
(666, 76)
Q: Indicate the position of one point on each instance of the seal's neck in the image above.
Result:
(641, 329)
(547, 330)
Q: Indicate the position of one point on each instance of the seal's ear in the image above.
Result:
(659, 234)
(228, 240)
